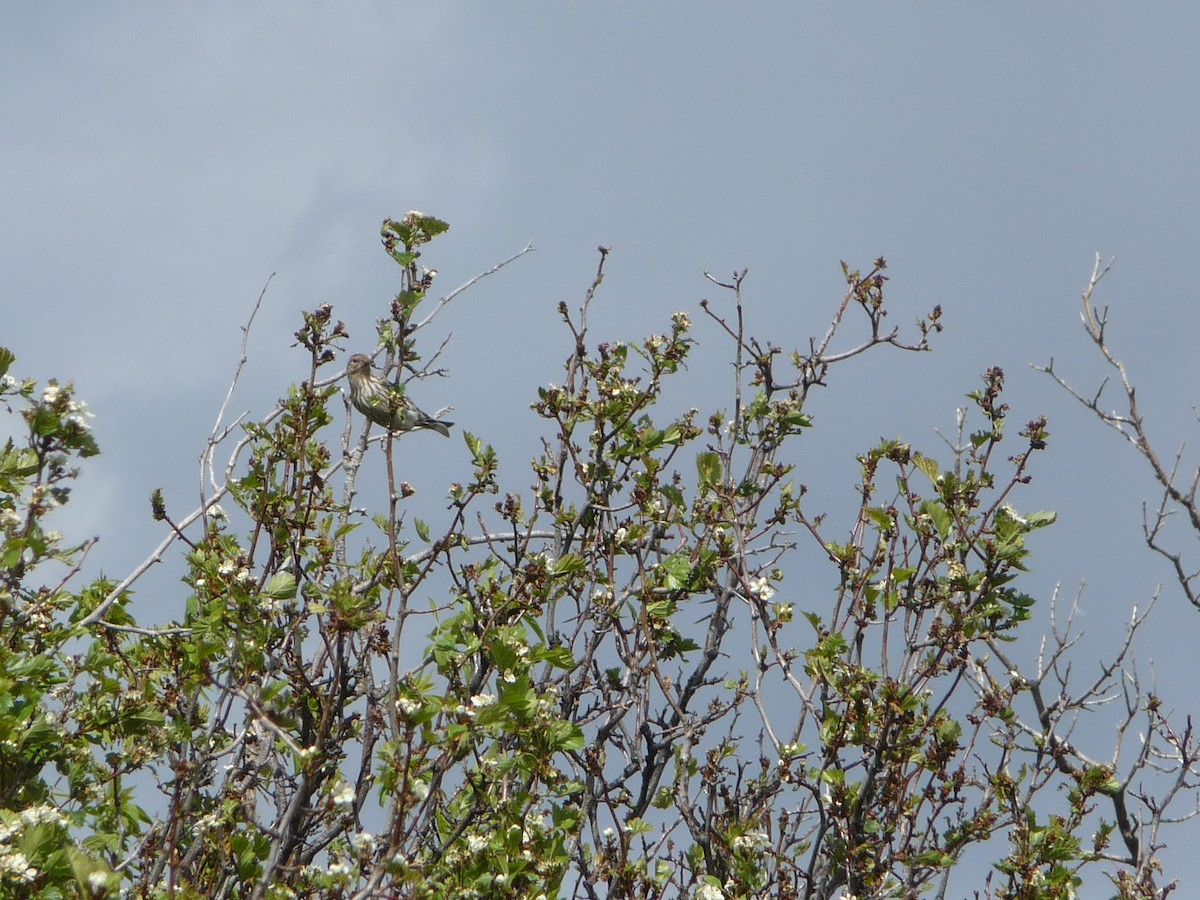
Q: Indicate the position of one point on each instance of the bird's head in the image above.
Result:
(359, 366)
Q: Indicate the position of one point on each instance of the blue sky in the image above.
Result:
(161, 161)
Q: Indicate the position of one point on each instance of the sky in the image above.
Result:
(162, 161)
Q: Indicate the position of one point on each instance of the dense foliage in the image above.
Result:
(654, 673)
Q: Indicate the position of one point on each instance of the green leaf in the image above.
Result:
(979, 438)
(939, 516)
(18, 463)
(409, 299)
(677, 572)
(673, 435)
(569, 738)
(1040, 519)
(708, 465)
(882, 518)
(6, 359)
(282, 586)
(672, 494)
(935, 858)
(637, 826)
(474, 444)
(797, 419)
(86, 445)
(929, 466)
(949, 731)
(652, 439)
(422, 529)
(345, 530)
(829, 728)
(558, 657)
(661, 609)
(432, 226)
(568, 564)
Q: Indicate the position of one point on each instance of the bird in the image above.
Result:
(386, 404)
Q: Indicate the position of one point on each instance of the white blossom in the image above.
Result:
(762, 589)
(42, 815)
(17, 865)
(345, 795)
(97, 881)
(339, 869)
(78, 414)
(1013, 514)
(751, 840)
(476, 842)
(362, 840)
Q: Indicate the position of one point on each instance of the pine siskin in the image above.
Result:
(386, 404)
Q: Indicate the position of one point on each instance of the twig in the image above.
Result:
(214, 439)
(468, 283)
